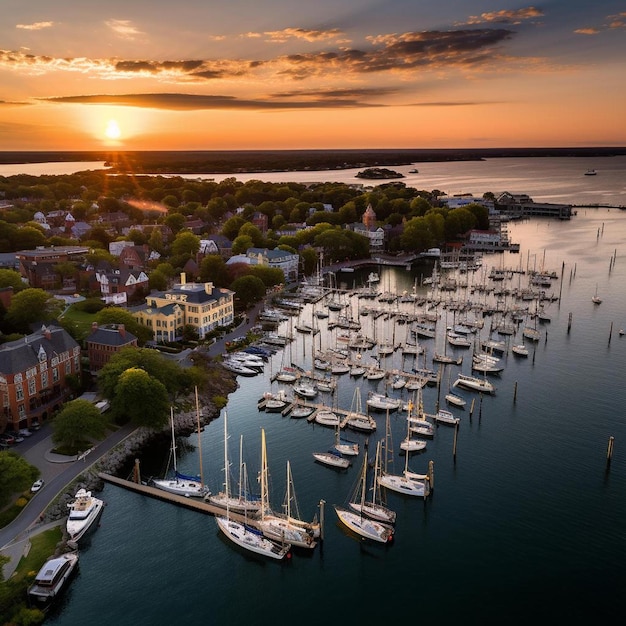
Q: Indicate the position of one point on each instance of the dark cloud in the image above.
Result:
(187, 102)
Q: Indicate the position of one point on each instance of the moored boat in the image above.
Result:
(85, 511)
(52, 579)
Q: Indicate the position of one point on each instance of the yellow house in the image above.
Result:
(200, 305)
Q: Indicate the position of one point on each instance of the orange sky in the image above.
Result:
(154, 75)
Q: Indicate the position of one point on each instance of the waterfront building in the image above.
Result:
(199, 305)
(104, 342)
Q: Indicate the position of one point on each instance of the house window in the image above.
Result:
(21, 411)
(19, 391)
(44, 380)
(55, 374)
(32, 387)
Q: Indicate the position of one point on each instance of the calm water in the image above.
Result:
(525, 526)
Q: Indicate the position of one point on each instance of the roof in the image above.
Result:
(22, 354)
(111, 335)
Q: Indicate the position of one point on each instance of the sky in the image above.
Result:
(283, 74)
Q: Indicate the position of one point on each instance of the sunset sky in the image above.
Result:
(283, 74)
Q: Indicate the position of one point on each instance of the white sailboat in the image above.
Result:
(362, 525)
(180, 484)
(374, 507)
(596, 299)
(239, 503)
(408, 483)
(281, 527)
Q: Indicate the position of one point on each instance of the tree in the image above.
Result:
(32, 305)
(416, 236)
(248, 290)
(270, 276)
(11, 278)
(16, 474)
(231, 226)
(78, 422)
(185, 243)
(242, 243)
(252, 231)
(157, 280)
(213, 270)
(28, 238)
(117, 315)
(309, 260)
(134, 386)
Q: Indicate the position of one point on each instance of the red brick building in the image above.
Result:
(106, 341)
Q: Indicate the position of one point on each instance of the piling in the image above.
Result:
(322, 503)
(610, 332)
(136, 473)
(515, 393)
(609, 450)
(472, 408)
(456, 432)
(569, 322)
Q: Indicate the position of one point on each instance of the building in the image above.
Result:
(104, 342)
(199, 305)
(120, 286)
(38, 266)
(287, 262)
(520, 206)
(34, 374)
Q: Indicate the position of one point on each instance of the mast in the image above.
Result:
(241, 466)
(226, 477)
(199, 438)
(264, 502)
(173, 438)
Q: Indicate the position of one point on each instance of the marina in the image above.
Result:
(524, 475)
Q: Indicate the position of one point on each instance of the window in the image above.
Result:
(55, 374)
(32, 387)
(19, 391)
(44, 380)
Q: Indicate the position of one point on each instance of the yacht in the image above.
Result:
(52, 579)
(84, 512)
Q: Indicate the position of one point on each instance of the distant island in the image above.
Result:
(378, 173)
(261, 161)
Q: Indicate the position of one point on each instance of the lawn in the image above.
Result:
(80, 319)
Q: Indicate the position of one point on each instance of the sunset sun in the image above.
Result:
(112, 130)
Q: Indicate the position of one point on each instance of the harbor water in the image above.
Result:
(525, 523)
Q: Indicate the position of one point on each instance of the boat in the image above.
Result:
(287, 374)
(382, 402)
(374, 507)
(180, 484)
(487, 364)
(532, 333)
(242, 502)
(301, 411)
(474, 383)
(85, 511)
(279, 527)
(409, 443)
(443, 416)
(520, 349)
(408, 483)
(327, 417)
(52, 579)
(250, 539)
(345, 447)
(458, 340)
(413, 171)
(454, 399)
(357, 420)
(238, 368)
(275, 402)
(590, 172)
(305, 389)
(374, 373)
(596, 299)
(332, 458)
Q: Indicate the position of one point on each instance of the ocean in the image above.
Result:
(525, 523)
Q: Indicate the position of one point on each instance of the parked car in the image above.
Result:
(7, 438)
(37, 485)
(24, 432)
(18, 438)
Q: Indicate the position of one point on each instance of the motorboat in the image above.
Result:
(85, 511)
(52, 579)
(301, 411)
(443, 416)
(305, 389)
(591, 172)
(361, 422)
(239, 368)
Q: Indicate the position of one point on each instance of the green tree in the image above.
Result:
(254, 233)
(248, 290)
(213, 270)
(16, 475)
(309, 260)
(231, 226)
(132, 389)
(416, 236)
(269, 275)
(28, 238)
(78, 422)
(185, 243)
(175, 221)
(11, 278)
(117, 315)
(157, 280)
(32, 305)
(241, 244)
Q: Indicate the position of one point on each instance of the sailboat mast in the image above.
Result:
(199, 438)
(264, 503)
(226, 471)
(173, 438)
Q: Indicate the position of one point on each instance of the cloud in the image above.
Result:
(507, 16)
(587, 31)
(310, 35)
(35, 26)
(617, 21)
(191, 102)
(123, 28)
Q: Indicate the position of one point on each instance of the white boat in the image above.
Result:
(345, 447)
(374, 506)
(287, 375)
(381, 402)
(305, 389)
(596, 299)
(590, 172)
(85, 511)
(443, 416)
(529, 332)
(52, 579)
(474, 383)
(520, 349)
(452, 398)
(374, 373)
(275, 402)
(180, 484)
(241, 502)
(301, 411)
(250, 539)
(327, 417)
(409, 443)
(408, 483)
(238, 368)
(276, 526)
(457, 340)
(486, 364)
(338, 368)
(332, 458)
(398, 382)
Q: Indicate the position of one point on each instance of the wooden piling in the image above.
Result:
(610, 332)
(456, 433)
(515, 393)
(609, 450)
(472, 408)
(569, 322)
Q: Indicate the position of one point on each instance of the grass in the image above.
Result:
(43, 546)
(80, 319)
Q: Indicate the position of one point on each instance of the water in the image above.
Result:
(525, 526)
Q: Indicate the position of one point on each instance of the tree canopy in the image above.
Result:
(78, 421)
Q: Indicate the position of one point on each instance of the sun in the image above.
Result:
(112, 130)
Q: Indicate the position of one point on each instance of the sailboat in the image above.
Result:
(277, 527)
(180, 484)
(409, 443)
(356, 419)
(374, 507)
(596, 299)
(239, 503)
(408, 483)
(364, 526)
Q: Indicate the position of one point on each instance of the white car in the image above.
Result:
(24, 432)
(37, 485)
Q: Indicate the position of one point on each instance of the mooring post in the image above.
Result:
(515, 393)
